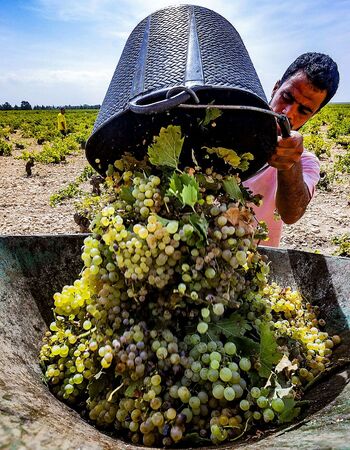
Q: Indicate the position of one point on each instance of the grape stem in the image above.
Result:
(243, 432)
(87, 332)
(109, 399)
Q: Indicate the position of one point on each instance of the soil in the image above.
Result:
(25, 202)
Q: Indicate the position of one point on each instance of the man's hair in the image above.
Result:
(320, 70)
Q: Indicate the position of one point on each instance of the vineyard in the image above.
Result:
(46, 180)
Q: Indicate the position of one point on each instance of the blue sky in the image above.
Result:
(65, 51)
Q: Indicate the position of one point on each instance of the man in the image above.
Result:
(288, 182)
(61, 122)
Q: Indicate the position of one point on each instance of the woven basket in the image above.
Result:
(174, 50)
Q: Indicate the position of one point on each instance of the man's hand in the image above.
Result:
(288, 151)
(292, 196)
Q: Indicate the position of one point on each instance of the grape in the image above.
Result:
(230, 348)
(218, 391)
(244, 405)
(268, 415)
(277, 404)
(194, 402)
(214, 364)
(257, 415)
(176, 433)
(225, 374)
(213, 375)
(210, 273)
(205, 313)
(202, 327)
(229, 393)
(155, 380)
(255, 392)
(215, 356)
(184, 394)
(238, 390)
(218, 309)
(245, 364)
(170, 413)
(262, 402)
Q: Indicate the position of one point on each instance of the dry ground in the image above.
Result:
(25, 209)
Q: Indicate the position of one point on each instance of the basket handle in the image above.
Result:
(163, 105)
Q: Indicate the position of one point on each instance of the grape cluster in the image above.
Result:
(160, 339)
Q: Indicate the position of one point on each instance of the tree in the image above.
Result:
(6, 106)
(25, 105)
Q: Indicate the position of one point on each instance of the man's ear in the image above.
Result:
(276, 87)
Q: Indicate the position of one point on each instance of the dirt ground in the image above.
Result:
(25, 208)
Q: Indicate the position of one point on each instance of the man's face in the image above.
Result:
(297, 98)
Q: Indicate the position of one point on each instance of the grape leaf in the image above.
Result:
(175, 186)
(98, 383)
(166, 148)
(290, 411)
(132, 388)
(228, 155)
(200, 225)
(246, 346)
(233, 190)
(164, 221)
(269, 355)
(285, 363)
(194, 439)
(189, 195)
(210, 115)
(244, 164)
(185, 188)
(235, 325)
(281, 392)
(127, 196)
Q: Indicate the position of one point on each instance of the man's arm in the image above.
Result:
(292, 196)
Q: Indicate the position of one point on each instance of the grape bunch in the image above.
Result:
(172, 332)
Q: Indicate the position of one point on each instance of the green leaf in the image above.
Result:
(207, 182)
(290, 412)
(185, 188)
(210, 115)
(194, 439)
(163, 220)
(234, 326)
(190, 190)
(166, 148)
(228, 155)
(175, 186)
(245, 158)
(232, 188)
(200, 226)
(189, 195)
(246, 346)
(127, 196)
(132, 388)
(97, 384)
(268, 350)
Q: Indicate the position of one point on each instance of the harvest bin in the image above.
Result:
(32, 268)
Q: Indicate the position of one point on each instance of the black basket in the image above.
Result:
(173, 51)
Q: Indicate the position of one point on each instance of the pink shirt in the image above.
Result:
(265, 183)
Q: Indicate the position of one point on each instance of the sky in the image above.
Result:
(60, 52)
